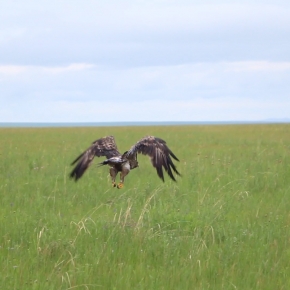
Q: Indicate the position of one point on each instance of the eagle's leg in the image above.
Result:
(123, 173)
(113, 173)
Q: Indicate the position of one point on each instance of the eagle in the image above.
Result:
(154, 147)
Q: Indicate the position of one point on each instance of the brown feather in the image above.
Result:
(159, 153)
(102, 147)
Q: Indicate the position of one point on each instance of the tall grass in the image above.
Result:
(223, 225)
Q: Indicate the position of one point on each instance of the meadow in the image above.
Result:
(223, 225)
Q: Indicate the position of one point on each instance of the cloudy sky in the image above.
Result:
(151, 60)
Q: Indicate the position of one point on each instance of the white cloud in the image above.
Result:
(26, 69)
(251, 79)
(220, 109)
(12, 69)
(256, 66)
(74, 67)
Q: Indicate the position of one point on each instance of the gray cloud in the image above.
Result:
(144, 34)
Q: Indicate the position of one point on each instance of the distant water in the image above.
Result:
(124, 124)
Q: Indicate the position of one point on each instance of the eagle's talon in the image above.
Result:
(120, 185)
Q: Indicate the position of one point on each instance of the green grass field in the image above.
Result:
(223, 225)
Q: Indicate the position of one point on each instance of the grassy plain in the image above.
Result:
(223, 225)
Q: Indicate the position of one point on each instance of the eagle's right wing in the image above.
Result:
(105, 146)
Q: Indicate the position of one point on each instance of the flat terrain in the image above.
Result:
(223, 225)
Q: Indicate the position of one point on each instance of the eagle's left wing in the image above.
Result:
(159, 153)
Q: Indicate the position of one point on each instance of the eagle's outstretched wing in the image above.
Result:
(105, 146)
(159, 153)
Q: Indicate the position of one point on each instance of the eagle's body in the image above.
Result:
(155, 147)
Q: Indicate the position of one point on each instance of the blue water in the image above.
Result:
(121, 124)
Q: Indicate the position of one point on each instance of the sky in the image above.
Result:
(134, 61)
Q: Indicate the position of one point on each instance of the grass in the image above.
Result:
(223, 225)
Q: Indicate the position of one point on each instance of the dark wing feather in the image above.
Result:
(159, 153)
(105, 146)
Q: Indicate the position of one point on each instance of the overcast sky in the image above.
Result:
(162, 60)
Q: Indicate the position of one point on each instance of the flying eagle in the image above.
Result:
(154, 147)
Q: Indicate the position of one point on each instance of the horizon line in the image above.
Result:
(138, 123)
